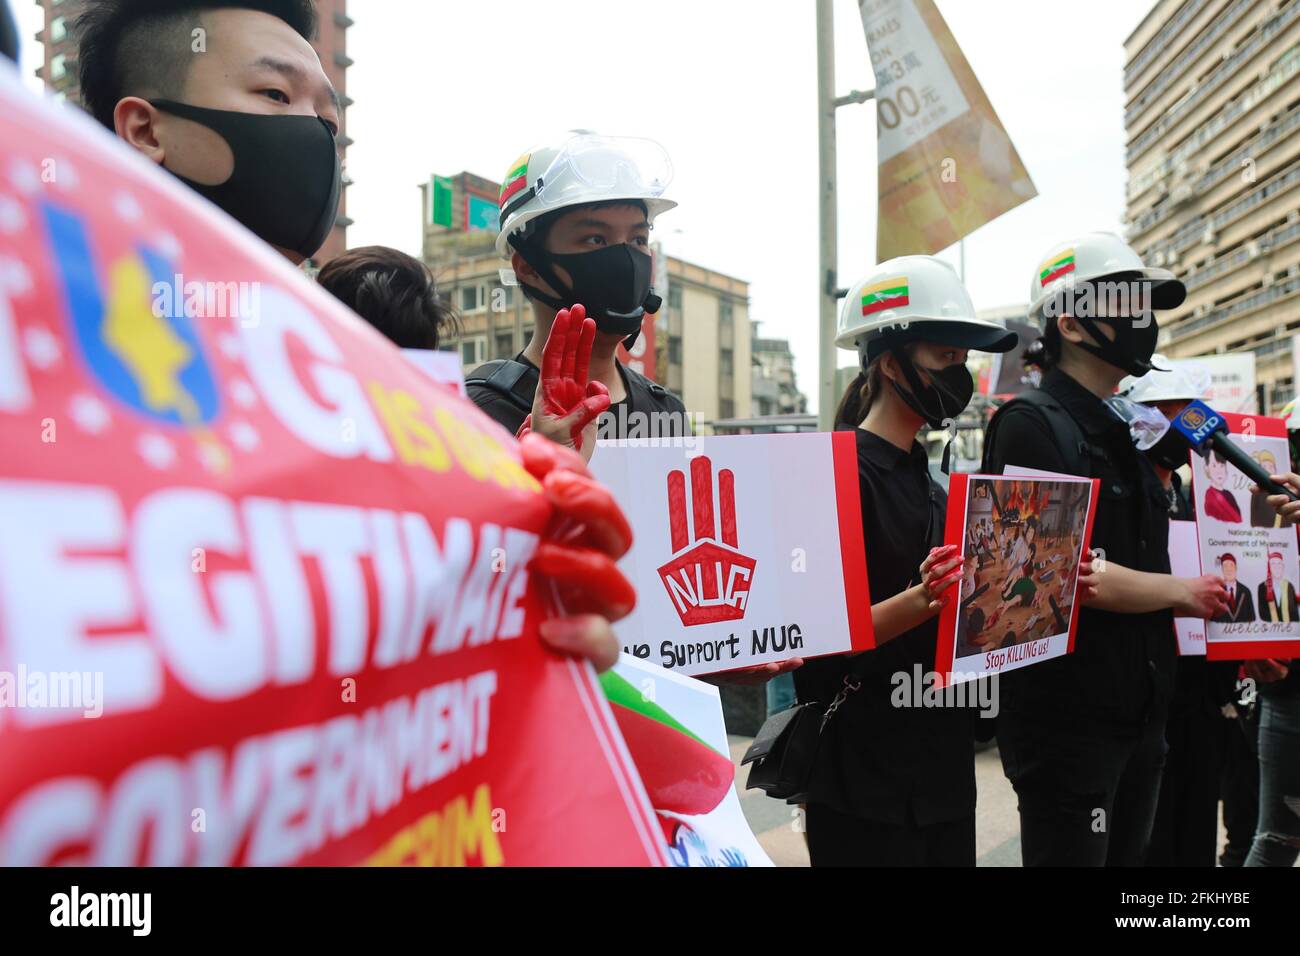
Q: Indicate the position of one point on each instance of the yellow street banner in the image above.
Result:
(947, 166)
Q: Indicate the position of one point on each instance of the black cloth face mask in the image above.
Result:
(1171, 452)
(286, 179)
(613, 284)
(939, 403)
(1132, 347)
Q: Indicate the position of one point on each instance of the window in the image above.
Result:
(726, 408)
(505, 345)
(471, 352)
(58, 68)
(726, 363)
(674, 350)
(469, 298)
(58, 29)
(675, 297)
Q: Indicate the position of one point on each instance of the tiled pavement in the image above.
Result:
(997, 836)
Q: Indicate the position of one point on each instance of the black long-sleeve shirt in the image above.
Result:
(1121, 672)
(877, 760)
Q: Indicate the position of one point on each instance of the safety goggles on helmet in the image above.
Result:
(583, 170)
(593, 168)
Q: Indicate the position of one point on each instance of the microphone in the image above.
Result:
(1206, 429)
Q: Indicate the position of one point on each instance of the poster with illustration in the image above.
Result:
(675, 733)
(1241, 538)
(1185, 562)
(746, 549)
(1022, 538)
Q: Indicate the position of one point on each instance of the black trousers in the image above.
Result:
(1240, 788)
(1086, 798)
(840, 839)
(1186, 831)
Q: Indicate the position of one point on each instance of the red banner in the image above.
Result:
(263, 586)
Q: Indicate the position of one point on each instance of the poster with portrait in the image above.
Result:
(1022, 538)
(1242, 538)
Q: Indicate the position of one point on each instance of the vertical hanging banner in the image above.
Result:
(946, 164)
(264, 586)
(1243, 539)
(746, 549)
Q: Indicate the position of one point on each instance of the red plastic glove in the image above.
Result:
(566, 403)
(587, 535)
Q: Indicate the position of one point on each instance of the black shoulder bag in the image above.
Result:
(784, 752)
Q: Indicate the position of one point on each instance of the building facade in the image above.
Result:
(1212, 90)
(774, 389)
(59, 73)
(701, 347)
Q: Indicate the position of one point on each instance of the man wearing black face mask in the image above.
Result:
(575, 224)
(228, 96)
(1082, 737)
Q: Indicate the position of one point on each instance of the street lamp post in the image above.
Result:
(829, 292)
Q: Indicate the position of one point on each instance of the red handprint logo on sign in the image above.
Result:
(708, 581)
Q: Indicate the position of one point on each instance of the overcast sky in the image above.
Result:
(729, 88)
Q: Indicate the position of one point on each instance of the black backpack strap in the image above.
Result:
(1074, 446)
(514, 381)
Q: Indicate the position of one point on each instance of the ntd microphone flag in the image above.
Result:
(1197, 423)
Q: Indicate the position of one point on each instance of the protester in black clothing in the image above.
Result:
(1239, 786)
(1082, 736)
(1201, 712)
(895, 784)
(583, 238)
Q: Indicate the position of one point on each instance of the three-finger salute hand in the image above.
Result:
(566, 404)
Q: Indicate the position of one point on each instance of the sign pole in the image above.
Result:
(829, 293)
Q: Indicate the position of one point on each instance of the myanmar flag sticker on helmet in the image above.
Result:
(515, 180)
(886, 294)
(1054, 268)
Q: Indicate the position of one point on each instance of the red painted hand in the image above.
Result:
(566, 405)
(587, 535)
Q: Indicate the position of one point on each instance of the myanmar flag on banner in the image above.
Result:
(889, 294)
(515, 180)
(681, 773)
(1057, 266)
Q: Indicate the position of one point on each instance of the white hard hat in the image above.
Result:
(582, 169)
(1185, 381)
(1098, 255)
(914, 298)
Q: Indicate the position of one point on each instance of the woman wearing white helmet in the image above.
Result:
(1085, 732)
(895, 785)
